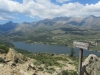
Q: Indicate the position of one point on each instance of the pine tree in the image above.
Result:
(72, 52)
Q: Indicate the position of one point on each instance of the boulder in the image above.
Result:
(2, 51)
(91, 65)
(13, 56)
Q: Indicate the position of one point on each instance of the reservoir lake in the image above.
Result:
(51, 49)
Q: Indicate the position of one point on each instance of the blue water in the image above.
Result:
(51, 49)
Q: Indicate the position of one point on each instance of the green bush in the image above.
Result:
(66, 72)
(41, 68)
(72, 52)
(4, 49)
(50, 70)
(71, 72)
(1, 60)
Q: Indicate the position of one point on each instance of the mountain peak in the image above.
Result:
(8, 26)
(9, 22)
(92, 16)
(25, 23)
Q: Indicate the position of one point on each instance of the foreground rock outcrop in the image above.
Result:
(91, 65)
(13, 56)
(14, 63)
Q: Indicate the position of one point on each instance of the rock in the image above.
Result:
(12, 63)
(34, 74)
(31, 66)
(2, 51)
(89, 59)
(13, 56)
(1, 65)
(91, 65)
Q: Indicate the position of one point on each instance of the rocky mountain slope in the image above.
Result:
(90, 22)
(14, 63)
(8, 26)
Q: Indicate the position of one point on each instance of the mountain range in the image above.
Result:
(56, 31)
(8, 26)
(90, 22)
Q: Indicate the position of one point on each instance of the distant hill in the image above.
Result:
(90, 22)
(8, 26)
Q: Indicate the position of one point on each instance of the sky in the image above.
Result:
(20, 11)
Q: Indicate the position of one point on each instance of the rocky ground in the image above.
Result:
(14, 63)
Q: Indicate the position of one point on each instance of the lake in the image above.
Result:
(51, 49)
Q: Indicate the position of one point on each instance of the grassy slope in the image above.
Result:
(51, 62)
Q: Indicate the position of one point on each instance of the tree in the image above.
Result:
(72, 52)
(4, 49)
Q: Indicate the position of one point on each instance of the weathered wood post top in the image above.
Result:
(81, 46)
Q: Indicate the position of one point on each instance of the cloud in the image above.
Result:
(62, 1)
(5, 16)
(46, 9)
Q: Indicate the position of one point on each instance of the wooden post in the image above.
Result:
(82, 46)
(80, 61)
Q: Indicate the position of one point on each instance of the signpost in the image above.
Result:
(82, 46)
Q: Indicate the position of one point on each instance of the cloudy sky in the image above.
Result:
(33, 10)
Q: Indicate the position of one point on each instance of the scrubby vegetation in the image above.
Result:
(50, 59)
(66, 72)
(1, 60)
(3, 49)
(72, 52)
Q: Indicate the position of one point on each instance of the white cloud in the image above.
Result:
(62, 1)
(5, 16)
(46, 9)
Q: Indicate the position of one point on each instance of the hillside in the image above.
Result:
(56, 31)
(90, 22)
(14, 63)
(27, 63)
(8, 26)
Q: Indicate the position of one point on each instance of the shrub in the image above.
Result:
(72, 52)
(66, 72)
(41, 68)
(1, 60)
(73, 72)
(4, 49)
(50, 70)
